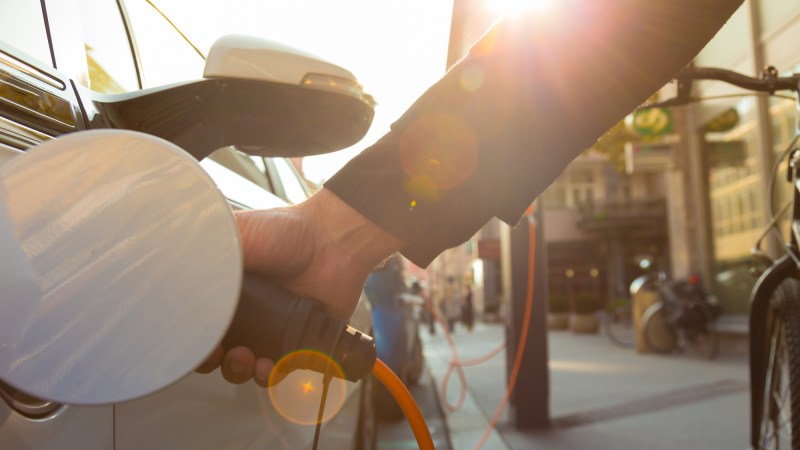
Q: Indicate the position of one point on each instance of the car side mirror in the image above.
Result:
(121, 267)
(263, 97)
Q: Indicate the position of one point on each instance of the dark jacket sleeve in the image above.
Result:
(503, 123)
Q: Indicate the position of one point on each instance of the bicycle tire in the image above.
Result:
(781, 411)
(701, 339)
(704, 342)
(619, 326)
(659, 335)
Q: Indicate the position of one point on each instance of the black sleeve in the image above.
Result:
(503, 123)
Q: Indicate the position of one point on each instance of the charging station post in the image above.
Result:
(530, 399)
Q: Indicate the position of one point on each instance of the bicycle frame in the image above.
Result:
(787, 266)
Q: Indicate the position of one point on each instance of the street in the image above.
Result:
(601, 397)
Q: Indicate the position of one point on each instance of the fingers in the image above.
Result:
(237, 366)
(263, 368)
(240, 365)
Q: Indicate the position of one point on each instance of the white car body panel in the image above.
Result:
(205, 411)
(68, 427)
(71, 428)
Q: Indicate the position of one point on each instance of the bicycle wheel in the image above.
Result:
(781, 405)
(619, 327)
(659, 335)
(698, 335)
(703, 342)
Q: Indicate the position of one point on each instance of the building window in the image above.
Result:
(555, 197)
(734, 189)
(576, 197)
(581, 176)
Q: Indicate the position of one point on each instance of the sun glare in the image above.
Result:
(513, 7)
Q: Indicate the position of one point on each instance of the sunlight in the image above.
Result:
(586, 367)
(405, 54)
(513, 7)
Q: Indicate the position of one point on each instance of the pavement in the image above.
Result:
(601, 396)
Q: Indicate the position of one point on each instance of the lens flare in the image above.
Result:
(297, 396)
(513, 7)
(471, 78)
(437, 152)
(423, 188)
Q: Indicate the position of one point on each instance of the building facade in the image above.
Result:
(729, 146)
(697, 206)
(599, 225)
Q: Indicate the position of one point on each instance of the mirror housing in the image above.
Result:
(262, 97)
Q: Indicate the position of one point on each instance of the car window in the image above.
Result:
(165, 56)
(91, 45)
(22, 26)
(248, 167)
(292, 184)
(241, 178)
(240, 191)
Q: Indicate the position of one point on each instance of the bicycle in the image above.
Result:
(620, 321)
(681, 319)
(774, 316)
(618, 324)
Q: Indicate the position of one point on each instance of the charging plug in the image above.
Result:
(273, 323)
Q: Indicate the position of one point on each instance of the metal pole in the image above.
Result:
(530, 399)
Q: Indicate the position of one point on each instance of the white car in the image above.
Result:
(71, 65)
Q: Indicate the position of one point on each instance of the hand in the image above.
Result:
(321, 249)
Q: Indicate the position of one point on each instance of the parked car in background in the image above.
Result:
(71, 65)
(395, 317)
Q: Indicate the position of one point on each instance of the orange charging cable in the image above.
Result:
(523, 335)
(458, 364)
(406, 402)
(400, 392)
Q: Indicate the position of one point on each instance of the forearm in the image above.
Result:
(532, 94)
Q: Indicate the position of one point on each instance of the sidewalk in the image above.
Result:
(601, 396)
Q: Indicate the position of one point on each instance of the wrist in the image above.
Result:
(346, 231)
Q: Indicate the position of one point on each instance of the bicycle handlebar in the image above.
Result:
(769, 82)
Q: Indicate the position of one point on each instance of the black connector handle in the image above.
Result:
(273, 323)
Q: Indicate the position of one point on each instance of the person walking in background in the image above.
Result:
(467, 310)
(451, 306)
(428, 317)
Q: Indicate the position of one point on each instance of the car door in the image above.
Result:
(40, 87)
(38, 103)
(206, 412)
(203, 410)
